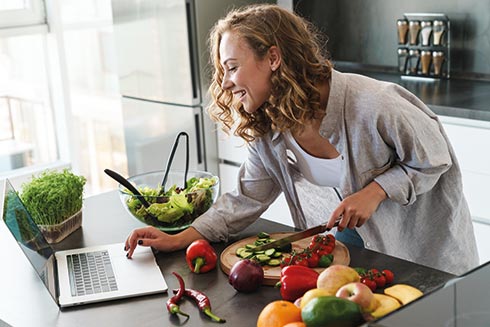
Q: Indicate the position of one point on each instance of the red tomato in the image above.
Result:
(389, 276)
(380, 280)
(313, 260)
(286, 261)
(301, 262)
(369, 283)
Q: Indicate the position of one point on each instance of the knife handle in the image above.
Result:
(336, 224)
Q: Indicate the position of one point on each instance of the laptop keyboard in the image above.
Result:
(91, 273)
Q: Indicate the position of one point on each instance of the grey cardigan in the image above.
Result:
(386, 134)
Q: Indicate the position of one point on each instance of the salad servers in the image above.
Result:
(124, 182)
(171, 159)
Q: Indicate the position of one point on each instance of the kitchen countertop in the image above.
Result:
(447, 97)
(106, 221)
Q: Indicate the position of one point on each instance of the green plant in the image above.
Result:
(53, 196)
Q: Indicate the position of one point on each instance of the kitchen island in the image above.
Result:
(24, 301)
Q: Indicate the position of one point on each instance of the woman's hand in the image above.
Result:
(357, 208)
(151, 236)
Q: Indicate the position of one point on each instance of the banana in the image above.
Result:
(386, 304)
(403, 293)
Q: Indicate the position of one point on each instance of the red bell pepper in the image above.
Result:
(200, 256)
(296, 280)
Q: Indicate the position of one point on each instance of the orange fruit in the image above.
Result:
(278, 313)
(295, 324)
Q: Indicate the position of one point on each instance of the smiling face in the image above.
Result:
(245, 75)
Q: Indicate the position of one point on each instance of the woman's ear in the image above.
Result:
(274, 58)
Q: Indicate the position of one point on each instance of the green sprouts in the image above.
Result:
(53, 196)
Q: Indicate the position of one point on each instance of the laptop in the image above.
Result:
(85, 275)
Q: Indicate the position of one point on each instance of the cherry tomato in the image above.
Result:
(389, 276)
(286, 261)
(380, 280)
(369, 283)
(313, 260)
(301, 261)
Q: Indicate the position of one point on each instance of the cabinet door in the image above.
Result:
(471, 142)
(482, 233)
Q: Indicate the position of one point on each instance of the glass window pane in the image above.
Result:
(12, 4)
(16, 13)
(25, 101)
(94, 91)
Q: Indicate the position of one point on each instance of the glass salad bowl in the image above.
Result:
(175, 207)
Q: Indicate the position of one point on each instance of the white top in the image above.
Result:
(319, 171)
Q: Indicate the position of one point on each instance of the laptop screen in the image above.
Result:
(29, 237)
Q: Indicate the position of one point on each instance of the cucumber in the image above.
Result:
(269, 252)
(262, 258)
(240, 250)
(274, 262)
(263, 235)
(246, 254)
(270, 257)
(277, 254)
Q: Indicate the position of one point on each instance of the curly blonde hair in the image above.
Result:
(295, 97)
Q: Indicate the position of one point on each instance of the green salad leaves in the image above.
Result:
(176, 206)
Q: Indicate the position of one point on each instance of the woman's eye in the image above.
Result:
(232, 69)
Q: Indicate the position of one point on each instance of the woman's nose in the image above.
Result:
(226, 83)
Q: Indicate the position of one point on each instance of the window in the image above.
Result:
(28, 135)
(17, 13)
(59, 91)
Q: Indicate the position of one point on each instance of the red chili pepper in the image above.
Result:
(200, 256)
(203, 303)
(172, 305)
(296, 280)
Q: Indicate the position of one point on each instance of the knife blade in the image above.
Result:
(294, 237)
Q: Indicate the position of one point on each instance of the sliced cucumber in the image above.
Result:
(277, 254)
(246, 254)
(271, 257)
(274, 262)
(262, 258)
(263, 235)
(269, 252)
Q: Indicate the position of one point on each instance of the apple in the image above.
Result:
(359, 293)
(336, 276)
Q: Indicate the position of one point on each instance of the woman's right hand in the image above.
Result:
(151, 236)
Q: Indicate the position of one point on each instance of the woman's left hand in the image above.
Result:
(357, 208)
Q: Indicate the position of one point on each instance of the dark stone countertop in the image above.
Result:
(447, 97)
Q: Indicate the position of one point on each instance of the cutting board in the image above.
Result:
(273, 274)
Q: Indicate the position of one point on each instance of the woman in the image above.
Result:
(377, 143)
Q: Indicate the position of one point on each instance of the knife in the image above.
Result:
(294, 237)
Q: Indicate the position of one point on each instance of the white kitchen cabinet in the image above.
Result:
(482, 233)
(471, 142)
